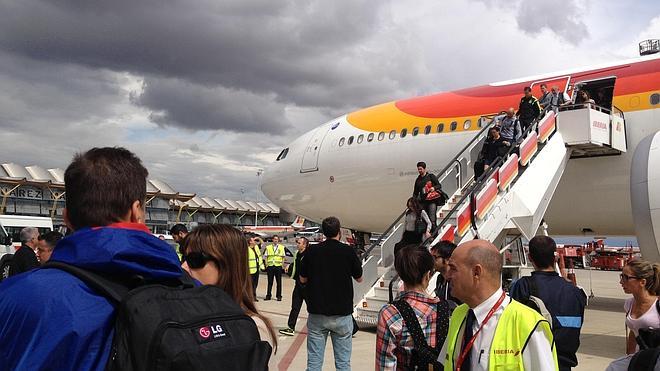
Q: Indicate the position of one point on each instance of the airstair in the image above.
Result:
(506, 204)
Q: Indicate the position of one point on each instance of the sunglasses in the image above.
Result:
(196, 259)
(626, 277)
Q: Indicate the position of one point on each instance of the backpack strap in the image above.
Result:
(411, 323)
(103, 285)
(113, 287)
(533, 289)
(442, 323)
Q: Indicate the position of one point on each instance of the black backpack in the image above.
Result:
(423, 356)
(172, 325)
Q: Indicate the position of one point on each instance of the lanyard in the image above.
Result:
(469, 345)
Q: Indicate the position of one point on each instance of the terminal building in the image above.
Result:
(35, 191)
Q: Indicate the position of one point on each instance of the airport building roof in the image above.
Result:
(17, 175)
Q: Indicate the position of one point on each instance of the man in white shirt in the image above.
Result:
(490, 327)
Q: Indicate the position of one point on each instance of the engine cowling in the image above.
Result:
(645, 196)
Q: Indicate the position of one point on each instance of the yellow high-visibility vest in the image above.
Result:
(254, 259)
(517, 323)
(275, 255)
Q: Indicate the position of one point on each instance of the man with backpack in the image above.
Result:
(51, 319)
(564, 301)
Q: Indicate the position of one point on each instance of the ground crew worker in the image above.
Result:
(179, 232)
(255, 263)
(274, 257)
(492, 331)
(298, 295)
(529, 108)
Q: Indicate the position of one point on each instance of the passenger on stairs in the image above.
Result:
(415, 320)
(416, 224)
(529, 108)
(510, 127)
(494, 147)
(546, 98)
(429, 192)
(558, 99)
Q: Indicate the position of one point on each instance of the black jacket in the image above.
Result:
(492, 149)
(529, 109)
(24, 260)
(418, 190)
(565, 302)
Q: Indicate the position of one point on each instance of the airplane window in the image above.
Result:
(282, 154)
(404, 132)
(654, 99)
(467, 124)
(453, 125)
(441, 127)
(370, 137)
(360, 138)
(427, 130)
(415, 131)
(381, 135)
(341, 141)
(350, 140)
(392, 134)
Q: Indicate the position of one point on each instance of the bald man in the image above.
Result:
(490, 330)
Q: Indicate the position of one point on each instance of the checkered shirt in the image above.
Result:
(394, 343)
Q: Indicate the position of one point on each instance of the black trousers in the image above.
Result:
(525, 122)
(297, 299)
(274, 272)
(255, 283)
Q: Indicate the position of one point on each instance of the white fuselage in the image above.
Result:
(372, 181)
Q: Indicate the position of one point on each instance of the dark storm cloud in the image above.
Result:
(197, 107)
(292, 52)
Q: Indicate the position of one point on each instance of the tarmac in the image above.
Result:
(602, 338)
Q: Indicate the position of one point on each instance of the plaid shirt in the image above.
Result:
(394, 344)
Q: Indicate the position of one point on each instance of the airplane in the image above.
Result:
(360, 167)
(281, 231)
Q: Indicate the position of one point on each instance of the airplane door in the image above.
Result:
(310, 161)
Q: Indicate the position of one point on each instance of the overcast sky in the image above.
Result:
(207, 92)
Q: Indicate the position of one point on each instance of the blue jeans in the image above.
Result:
(340, 329)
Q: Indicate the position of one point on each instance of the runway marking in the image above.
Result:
(293, 350)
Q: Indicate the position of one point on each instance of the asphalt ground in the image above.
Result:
(602, 338)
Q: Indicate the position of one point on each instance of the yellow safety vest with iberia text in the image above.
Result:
(254, 259)
(516, 325)
(274, 255)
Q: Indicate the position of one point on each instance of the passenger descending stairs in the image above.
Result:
(505, 204)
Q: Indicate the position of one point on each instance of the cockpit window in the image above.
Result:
(282, 154)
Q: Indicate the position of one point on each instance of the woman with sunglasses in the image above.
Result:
(217, 255)
(641, 279)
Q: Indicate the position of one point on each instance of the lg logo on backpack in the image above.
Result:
(210, 333)
(204, 332)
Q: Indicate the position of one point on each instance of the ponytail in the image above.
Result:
(655, 287)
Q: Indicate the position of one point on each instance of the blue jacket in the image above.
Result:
(49, 319)
(565, 302)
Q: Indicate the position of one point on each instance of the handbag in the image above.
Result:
(430, 195)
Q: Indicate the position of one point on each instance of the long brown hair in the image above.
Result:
(413, 205)
(648, 271)
(228, 247)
